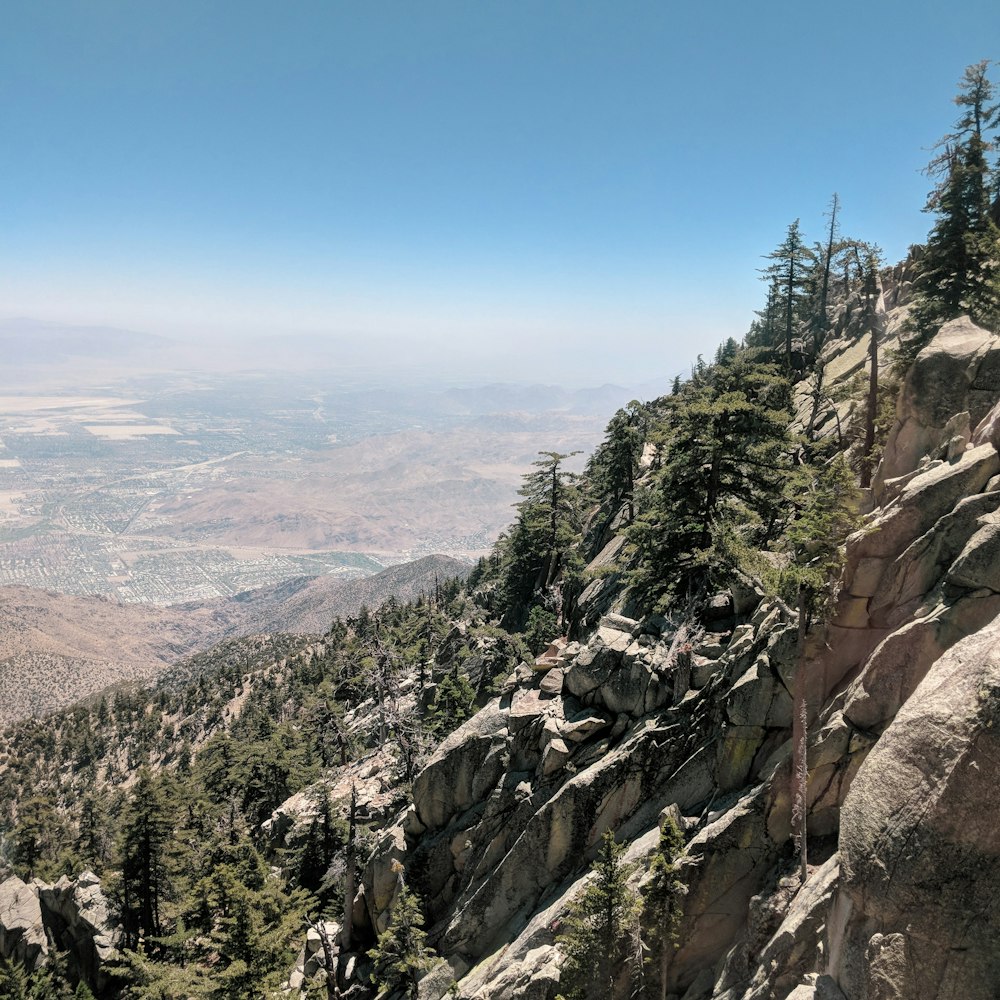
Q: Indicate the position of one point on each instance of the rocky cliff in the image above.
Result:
(71, 916)
(904, 692)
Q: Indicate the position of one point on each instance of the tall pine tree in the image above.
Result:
(788, 280)
(597, 931)
(726, 451)
(146, 831)
(960, 269)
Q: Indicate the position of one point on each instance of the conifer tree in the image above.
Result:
(14, 983)
(827, 514)
(596, 934)
(37, 832)
(536, 549)
(327, 835)
(960, 269)
(452, 704)
(764, 329)
(614, 465)
(541, 629)
(145, 833)
(401, 954)
(549, 506)
(662, 897)
(725, 455)
(94, 840)
(825, 257)
(788, 278)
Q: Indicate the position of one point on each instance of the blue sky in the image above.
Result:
(587, 184)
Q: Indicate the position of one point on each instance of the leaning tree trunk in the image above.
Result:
(350, 875)
(329, 958)
(871, 409)
(800, 720)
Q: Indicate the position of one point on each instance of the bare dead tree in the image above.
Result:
(330, 958)
(350, 875)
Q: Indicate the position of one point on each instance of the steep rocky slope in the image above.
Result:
(904, 689)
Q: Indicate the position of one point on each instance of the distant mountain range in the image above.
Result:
(34, 342)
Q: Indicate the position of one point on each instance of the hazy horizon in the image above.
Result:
(579, 189)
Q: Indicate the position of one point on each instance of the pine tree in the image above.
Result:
(820, 320)
(614, 465)
(327, 835)
(662, 897)
(960, 269)
(401, 954)
(764, 329)
(145, 834)
(255, 920)
(596, 934)
(788, 278)
(36, 834)
(14, 983)
(452, 704)
(724, 463)
(94, 840)
(542, 627)
(827, 514)
(548, 521)
(147, 979)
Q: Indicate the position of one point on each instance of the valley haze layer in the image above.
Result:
(123, 477)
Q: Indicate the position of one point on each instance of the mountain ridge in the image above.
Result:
(58, 648)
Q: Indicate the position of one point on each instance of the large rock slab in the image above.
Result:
(79, 918)
(726, 863)
(888, 538)
(797, 947)
(901, 661)
(22, 934)
(922, 565)
(920, 840)
(957, 371)
(464, 768)
(978, 564)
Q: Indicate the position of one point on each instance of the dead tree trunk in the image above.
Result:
(329, 959)
(350, 875)
(800, 739)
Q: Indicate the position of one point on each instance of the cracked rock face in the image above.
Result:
(73, 916)
(919, 840)
(77, 914)
(958, 371)
(22, 934)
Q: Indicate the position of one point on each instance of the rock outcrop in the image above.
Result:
(919, 840)
(71, 916)
(22, 933)
(78, 918)
(957, 372)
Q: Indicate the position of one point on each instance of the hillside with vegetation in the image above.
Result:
(714, 720)
(56, 648)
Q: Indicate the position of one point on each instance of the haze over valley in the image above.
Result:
(167, 487)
